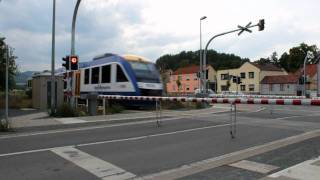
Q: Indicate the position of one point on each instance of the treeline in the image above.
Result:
(186, 58)
(290, 61)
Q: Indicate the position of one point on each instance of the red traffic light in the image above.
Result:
(74, 59)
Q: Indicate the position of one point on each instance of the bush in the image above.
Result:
(65, 110)
(114, 108)
(4, 127)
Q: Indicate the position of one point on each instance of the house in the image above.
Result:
(185, 81)
(250, 75)
(311, 77)
(281, 85)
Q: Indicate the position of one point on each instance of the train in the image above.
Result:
(112, 74)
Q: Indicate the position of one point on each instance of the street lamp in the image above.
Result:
(201, 60)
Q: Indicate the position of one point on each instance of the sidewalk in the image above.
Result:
(39, 119)
(307, 170)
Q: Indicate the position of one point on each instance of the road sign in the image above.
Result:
(246, 28)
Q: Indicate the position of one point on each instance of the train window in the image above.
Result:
(121, 77)
(95, 75)
(106, 78)
(86, 76)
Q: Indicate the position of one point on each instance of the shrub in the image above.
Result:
(65, 110)
(114, 108)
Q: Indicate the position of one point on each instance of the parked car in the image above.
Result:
(210, 93)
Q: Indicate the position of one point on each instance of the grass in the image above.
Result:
(17, 99)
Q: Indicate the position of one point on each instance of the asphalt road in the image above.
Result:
(140, 149)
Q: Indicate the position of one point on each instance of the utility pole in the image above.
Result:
(53, 104)
(7, 87)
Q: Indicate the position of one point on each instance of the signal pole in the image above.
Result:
(73, 45)
(53, 108)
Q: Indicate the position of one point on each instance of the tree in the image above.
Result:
(12, 67)
(186, 58)
(293, 60)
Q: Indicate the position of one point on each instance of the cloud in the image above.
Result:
(152, 28)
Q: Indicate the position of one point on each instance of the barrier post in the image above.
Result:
(104, 106)
(233, 119)
(158, 112)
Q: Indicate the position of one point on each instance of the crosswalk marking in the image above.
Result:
(94, 165)
(306, 170)
(254, 166)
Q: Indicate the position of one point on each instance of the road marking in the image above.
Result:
(70, 120)
(254, 166)
(304, 170)
(83, 128)
(94, 165)
(117, 140)
(197, 167)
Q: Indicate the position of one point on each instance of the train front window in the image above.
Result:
(145, 72)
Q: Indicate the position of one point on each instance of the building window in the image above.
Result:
(251, 87)
(106, 78)
(281, 87)
(95, 75)
(121, 77)
(173, 78)
(243, 75)
(224, 76)
(224, 88)
(179, 77)
(251, 75)
(173, 87)
(187, 77)
(195, 76)
(207, 74)
(270, 87)
(86, 76)
(243, 87)
(187, 88)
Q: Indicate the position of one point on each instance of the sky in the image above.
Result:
(152, 28)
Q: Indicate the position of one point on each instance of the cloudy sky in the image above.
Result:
(152, 28)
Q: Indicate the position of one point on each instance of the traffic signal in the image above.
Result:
(74, 62)
(261, 24)
(66, 62)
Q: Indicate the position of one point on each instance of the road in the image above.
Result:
(142, 150)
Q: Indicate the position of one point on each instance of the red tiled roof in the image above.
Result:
(267, 67)
(282, 79)
(187, 70)
(311, 70)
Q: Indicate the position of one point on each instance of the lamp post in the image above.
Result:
(201, 59)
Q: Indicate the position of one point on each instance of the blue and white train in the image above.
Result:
(111, 74)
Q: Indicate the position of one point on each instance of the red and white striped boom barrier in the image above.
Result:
(310, 102)
(256, 96)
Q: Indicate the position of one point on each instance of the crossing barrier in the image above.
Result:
(224, 100)
(256, 96)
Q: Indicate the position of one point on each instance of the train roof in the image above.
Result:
(109, 57)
